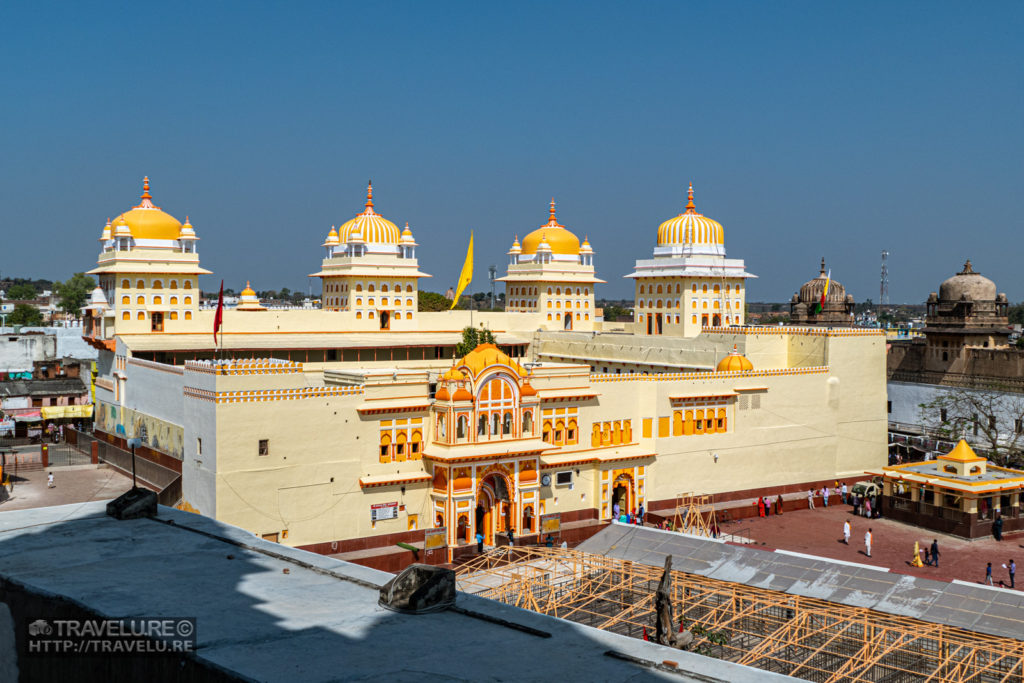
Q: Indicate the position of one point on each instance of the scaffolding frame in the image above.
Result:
(695, 514)
(797, 636)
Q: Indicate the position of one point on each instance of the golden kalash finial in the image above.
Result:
(145, 189)
(369, 195)
(551, 213)
(690, 206)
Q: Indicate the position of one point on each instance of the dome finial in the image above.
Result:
(551, 213)
(690, 207)
(822, 265)
(968, 268)
(145, 188)
(369, 194)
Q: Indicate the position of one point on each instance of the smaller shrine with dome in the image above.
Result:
(807, 308)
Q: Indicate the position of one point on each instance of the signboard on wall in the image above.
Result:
(551, 523)
(436, 538)
(379, 511)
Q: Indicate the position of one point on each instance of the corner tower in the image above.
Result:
(148, 272)
(551, 273)
(689, 284)
(370, 273)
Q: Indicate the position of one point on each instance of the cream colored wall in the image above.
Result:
(691, 303)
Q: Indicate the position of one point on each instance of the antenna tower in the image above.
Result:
(883, 290)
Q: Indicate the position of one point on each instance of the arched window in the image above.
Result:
(506, 424)
(125, 284)
(174, 284)
(559, 432)
(370, 287)
(158, 300)
(126, 300)
(157, 284)
(546, 431)
(408, 288)
(495, 424)
(704, 289)
(126, 315)
(659, 289)
(677, 423)
(384, 287)
(400, 447)
(481, 426)
(527, 422)
(174, 300)
(140, 316)
(385, 447)
(141, 284)
(188, 315)
(359, 286)
(188, 284)
(571, 432)
(188, 300)
(140, 300)
(174, 315)
(462, 426)
(549, 290)
(528, 520)
(442, 430)
(595, 435)
(415, 445)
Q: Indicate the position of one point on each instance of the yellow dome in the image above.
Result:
(442, 394)
(453, 374)
(486, 355)
(690, 228)
(561, 240)
(148, 222)
(248, 291)
(734, 362)
(370, 225)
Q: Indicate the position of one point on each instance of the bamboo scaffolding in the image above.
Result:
(802, 637)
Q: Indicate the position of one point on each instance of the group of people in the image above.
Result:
(634, 517)
(868, 537)
(765, 504)
(1010, 567)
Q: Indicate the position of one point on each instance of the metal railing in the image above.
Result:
(166, 481)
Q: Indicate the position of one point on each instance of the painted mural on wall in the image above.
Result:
(157, 434)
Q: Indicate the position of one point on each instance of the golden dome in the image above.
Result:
(486, 355)
(370, 226)
(690, 227)
(332, 238)
(248, 291)
(107, 234)
(516, 248)
(453, 374)
(734, 362)
(527, 390)
(442, 394)
(561, 240)
(585, 248)
(461, 394)
(148, 222)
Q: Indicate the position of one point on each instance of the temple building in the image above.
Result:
(806, 307)
(553, 274)
(148, 270)
(370, 272)
(958, 493)
(689, 285)
(343, 431)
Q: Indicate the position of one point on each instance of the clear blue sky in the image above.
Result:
(808, 129)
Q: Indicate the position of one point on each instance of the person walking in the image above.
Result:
(846, 532)
(1013, 570)
(867, 541)
(760, 506)
(988, 574)
(778, 505)
(935, 552)
(640, 516)
(479, 542)
(824, 496)
(511, 537)
(867, 508)
(49, 481)
(844, 492)
(997, 528)
(810, 499)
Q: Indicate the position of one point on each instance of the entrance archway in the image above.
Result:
(494, 507)
(622, 493)
(717, 320)
(567, 321)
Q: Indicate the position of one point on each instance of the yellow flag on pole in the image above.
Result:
(466, 276)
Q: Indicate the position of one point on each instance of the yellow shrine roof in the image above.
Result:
(962, 453)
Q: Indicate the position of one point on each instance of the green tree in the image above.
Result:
(21, 292)
(986, 416)
(432, 301)
(23, 314)
(472, 338)
(74, 292)
(1016, 314)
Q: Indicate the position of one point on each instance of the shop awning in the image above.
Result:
(58, 412)
(28, 416)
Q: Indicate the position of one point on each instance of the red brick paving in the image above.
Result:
(820, 532)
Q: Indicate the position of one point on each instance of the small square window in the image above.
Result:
(264, 446)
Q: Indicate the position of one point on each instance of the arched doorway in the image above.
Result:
(494, 508)
(622, 493)
(385, 320)
(567, 321)
(717, 320)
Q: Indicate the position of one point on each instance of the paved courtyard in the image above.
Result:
(76, 484)
(820, 532)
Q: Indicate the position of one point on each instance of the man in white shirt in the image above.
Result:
(867, 541)
(846, 532)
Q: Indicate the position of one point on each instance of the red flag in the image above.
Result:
(645, 633)
(680, 625)
(218, 319)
